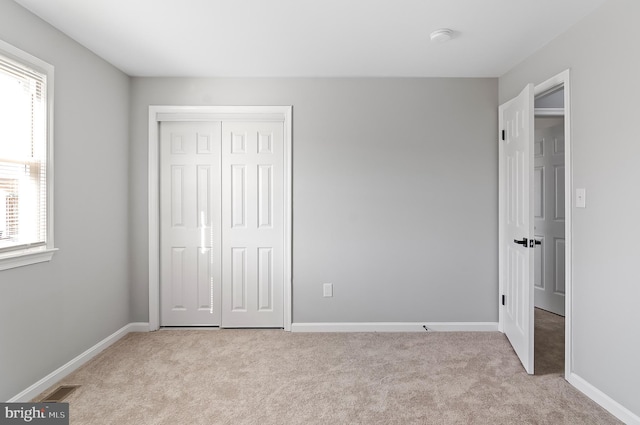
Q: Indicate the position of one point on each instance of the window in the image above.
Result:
(26, 83)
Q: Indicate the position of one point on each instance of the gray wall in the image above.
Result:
(394, 198)
(52, 312)
(551, 100)
(605, 89)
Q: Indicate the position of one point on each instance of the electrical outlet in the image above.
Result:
(327, 289)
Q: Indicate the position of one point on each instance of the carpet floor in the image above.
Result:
(273, 377)
(549, 343)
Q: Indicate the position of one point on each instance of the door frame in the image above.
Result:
(561, 79)
(159, 113)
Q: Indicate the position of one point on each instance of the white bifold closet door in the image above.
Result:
(253, 224)
(190, 231)
(221, 224)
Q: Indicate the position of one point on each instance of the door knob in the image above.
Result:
(522, 242)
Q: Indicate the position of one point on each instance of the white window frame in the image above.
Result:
(26, 256)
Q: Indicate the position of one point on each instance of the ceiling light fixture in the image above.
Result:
(442, 35)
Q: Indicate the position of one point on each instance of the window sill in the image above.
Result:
(25, 257)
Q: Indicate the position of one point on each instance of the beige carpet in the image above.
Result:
(274, 377)
(549, 343)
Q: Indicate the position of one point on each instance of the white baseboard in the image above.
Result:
(75, 363)
(615, 408)
(396, 327)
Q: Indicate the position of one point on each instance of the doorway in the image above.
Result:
(548, 204)
(549, 229)
(523, 273)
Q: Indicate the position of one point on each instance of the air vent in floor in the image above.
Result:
(59, 394)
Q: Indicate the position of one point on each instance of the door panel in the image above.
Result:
(238, 279)
(190, 252)
(550, 225)
(539, 263)
(518, 203)
(253, 224)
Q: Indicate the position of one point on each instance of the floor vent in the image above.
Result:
(60, 394)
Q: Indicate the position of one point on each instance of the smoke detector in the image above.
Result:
(442, 35)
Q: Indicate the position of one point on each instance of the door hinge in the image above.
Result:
(503, 135)
(504, 299)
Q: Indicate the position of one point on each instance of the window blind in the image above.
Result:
(23, 156)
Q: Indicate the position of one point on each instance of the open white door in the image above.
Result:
(516, 223)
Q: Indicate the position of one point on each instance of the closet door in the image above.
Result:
(252, 224)
(190, 233)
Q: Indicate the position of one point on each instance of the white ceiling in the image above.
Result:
(311, 38)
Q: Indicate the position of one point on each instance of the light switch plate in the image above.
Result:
(327, 289)
(581, 198)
